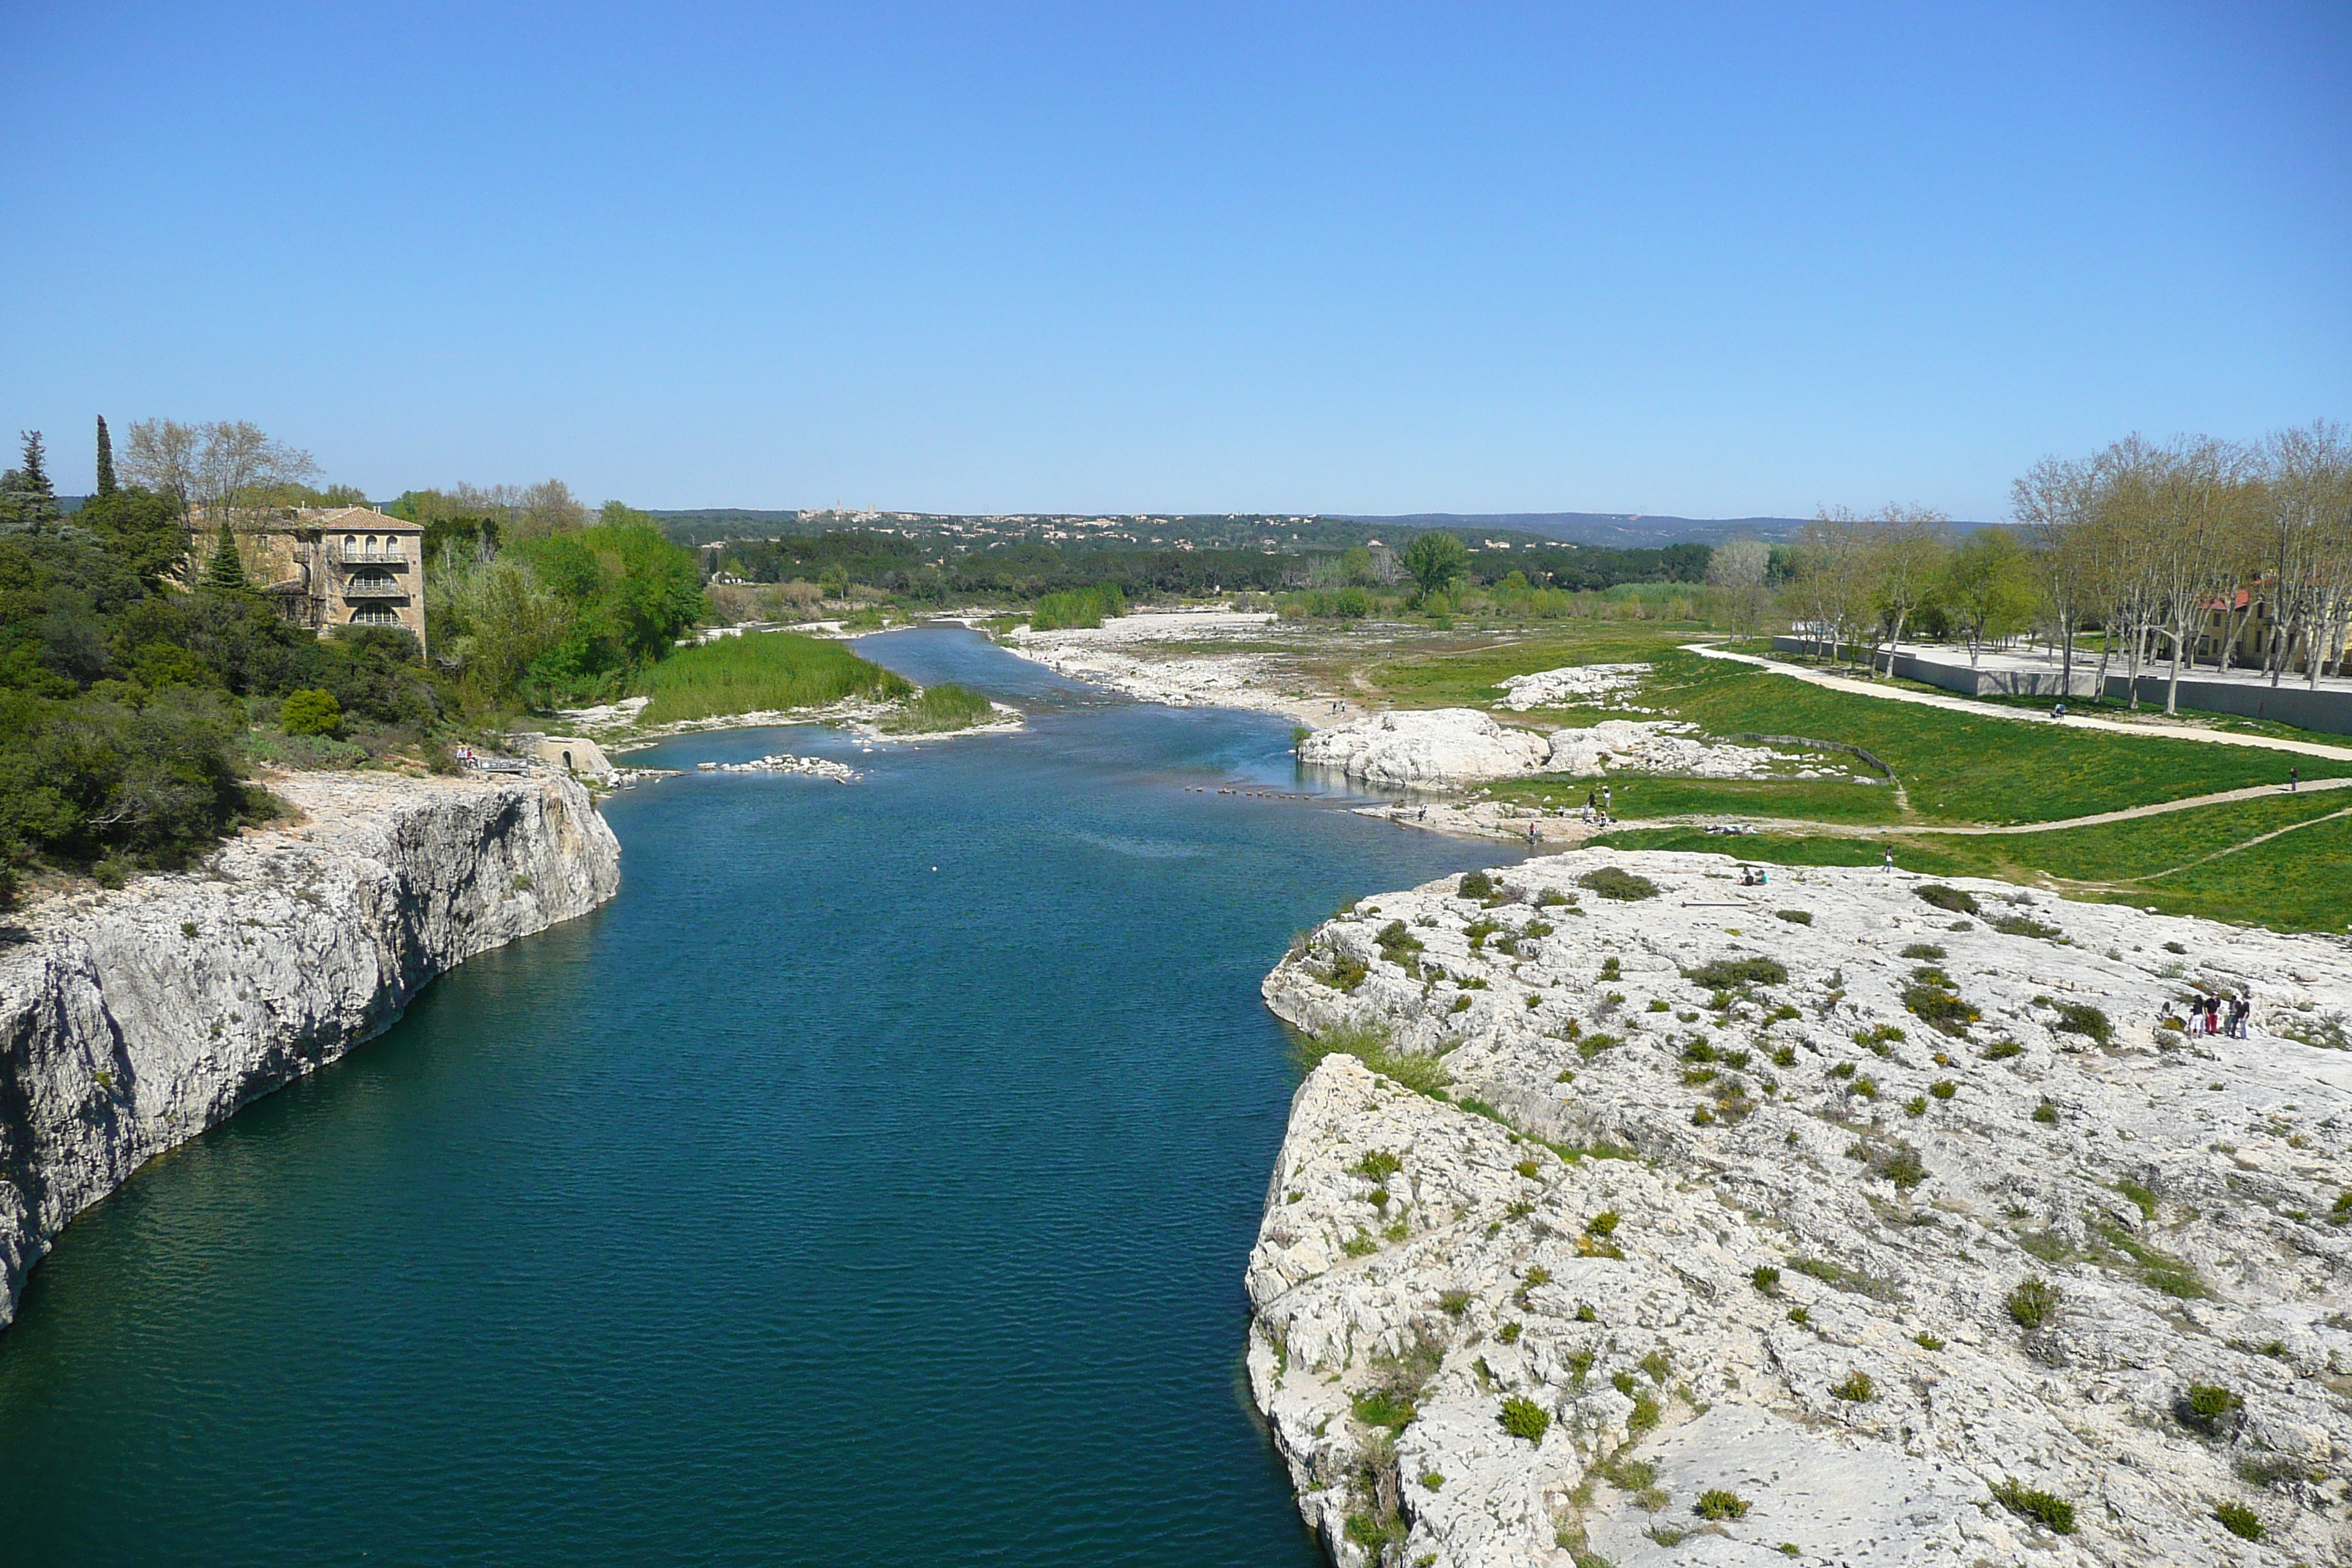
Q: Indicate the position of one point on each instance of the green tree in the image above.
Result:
(310, 712)
(1988, 588)
(28, 501)
(140, 530)
(106, 485)
(1436, 562)
(225, 570)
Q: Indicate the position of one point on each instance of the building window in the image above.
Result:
(374, 615)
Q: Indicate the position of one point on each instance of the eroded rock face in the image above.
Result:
(1581, 1226)
(1431, 749)
(133, 1020)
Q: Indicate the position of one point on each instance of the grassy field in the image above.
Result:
(2175, 862)
(1469, 677)
(939, 708)
(1963, 767)
(758, 671)
(1955, 766)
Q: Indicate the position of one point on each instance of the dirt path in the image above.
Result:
(2071, 722)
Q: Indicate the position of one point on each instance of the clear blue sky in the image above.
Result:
(1712, 260)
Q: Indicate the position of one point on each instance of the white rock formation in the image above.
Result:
(1580, 684)
(1638, 747)
(2181, 1198)
(1433, 749)
(131, 1021)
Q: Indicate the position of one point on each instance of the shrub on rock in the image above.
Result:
(1525, 1418)
(1944, 897)
(1718, 1503)
(1611, 882)
(2033, 1303)
(2030, 1502)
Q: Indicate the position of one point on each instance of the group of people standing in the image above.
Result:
(2219, 1014)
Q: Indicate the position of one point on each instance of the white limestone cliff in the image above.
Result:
(1627, 1137)
(133, 1020)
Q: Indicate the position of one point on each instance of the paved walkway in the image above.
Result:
(1987, 710)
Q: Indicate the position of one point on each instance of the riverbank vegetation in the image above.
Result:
(937, 710)
(758, 672)
(131, 707)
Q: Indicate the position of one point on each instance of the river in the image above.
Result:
(869, 1182)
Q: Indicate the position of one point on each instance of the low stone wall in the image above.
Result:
(2327, 709)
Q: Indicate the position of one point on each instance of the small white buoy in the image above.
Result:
(935, 867)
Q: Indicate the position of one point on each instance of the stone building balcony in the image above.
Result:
(351, 555)
(363, 589)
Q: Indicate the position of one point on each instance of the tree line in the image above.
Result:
(2195, 552)
(141, 678)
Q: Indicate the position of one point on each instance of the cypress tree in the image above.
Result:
(225, 570)
(106, 485)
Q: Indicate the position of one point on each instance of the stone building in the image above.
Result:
(332, 566)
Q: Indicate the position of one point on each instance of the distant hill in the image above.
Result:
(1620, 530)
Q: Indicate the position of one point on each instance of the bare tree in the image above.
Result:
(2195, 522)
(238, 460)
(546, 507)
(1906, 554)
(161, 454)
(1828, 589)
(1736, 570)
(2054, 502)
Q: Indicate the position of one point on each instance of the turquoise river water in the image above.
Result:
(869, 1182)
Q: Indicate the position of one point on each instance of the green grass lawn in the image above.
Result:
(2294, 882)
(1963, 767)
(1640, 796)
(758, 671)
(1470, 677)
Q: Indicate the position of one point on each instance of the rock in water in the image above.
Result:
(133, 1021)
(1900, 1229)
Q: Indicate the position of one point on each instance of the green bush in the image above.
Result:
(1525, 1418)
(1718, 1504)
(1943, 897)
(1767, 1278)
(2206, 1406)
(1474, 885)
(1857, 1389)
(1795, 917)
(1923, 950)
(2033, 1303)
(2239, 1520)
(1724, 973)
(2028, 1503)
(1078, 608)
(2082, 1018)
(1384, 1408)
(310, 712)
(1613, 882)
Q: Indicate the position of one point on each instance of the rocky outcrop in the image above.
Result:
(1845, 1218)
(1435, 749)
(133, 1020)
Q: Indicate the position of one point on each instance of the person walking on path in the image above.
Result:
(1608, 801)
(2293, 780)
(1890, 857)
